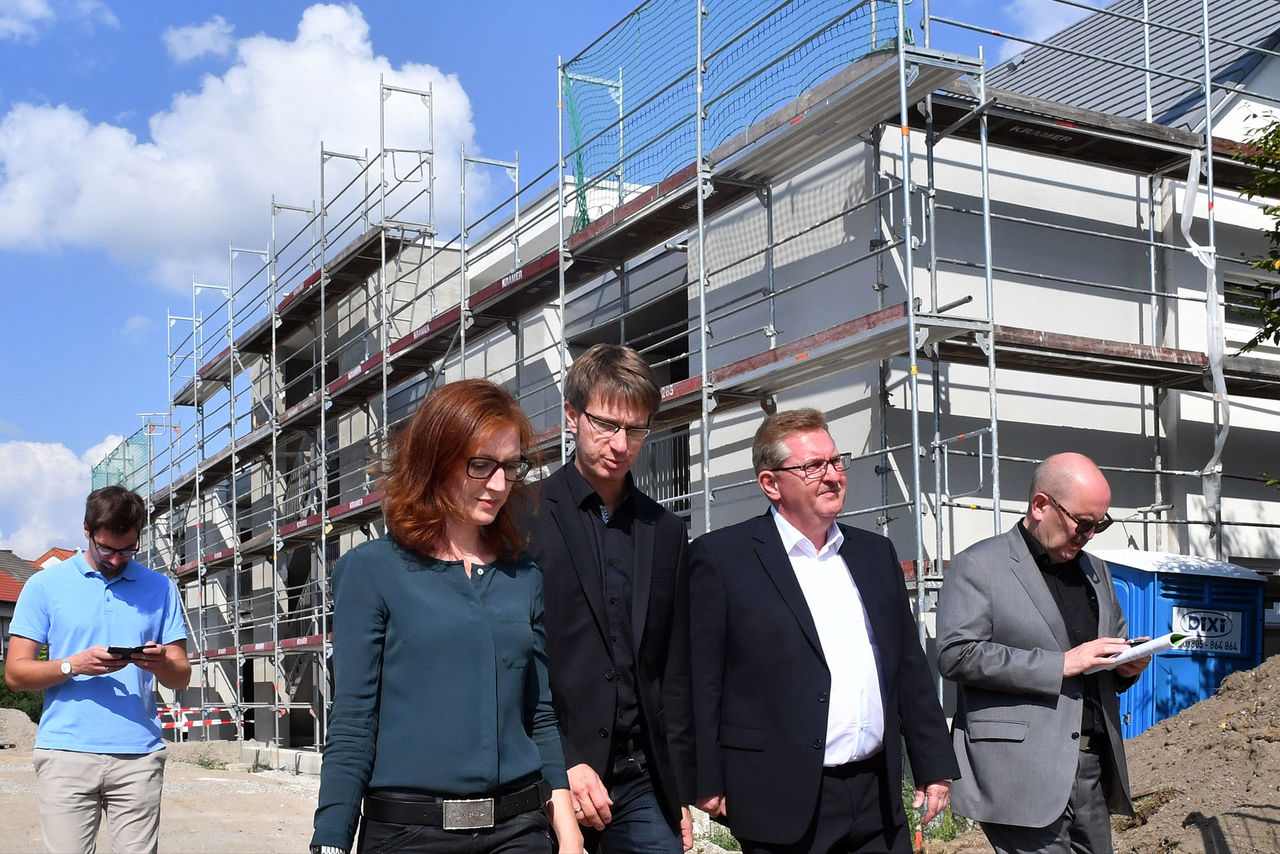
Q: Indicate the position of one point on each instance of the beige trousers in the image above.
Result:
(74, 789)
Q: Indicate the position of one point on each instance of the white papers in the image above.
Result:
(1151, 647)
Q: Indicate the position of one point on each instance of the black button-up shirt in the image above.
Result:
(1078, 604)
(614, 549)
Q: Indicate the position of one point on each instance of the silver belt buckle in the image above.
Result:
(474, 814)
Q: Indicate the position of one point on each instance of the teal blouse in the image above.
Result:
(440, 682)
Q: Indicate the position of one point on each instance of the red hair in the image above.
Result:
(452, 423)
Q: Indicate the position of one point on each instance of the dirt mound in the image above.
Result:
(1205, 781)
(1208, 778)
(17, 729)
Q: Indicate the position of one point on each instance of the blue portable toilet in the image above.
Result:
(1219, 604)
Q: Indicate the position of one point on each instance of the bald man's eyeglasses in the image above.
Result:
(1083, 526)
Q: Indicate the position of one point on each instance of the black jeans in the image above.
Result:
(638, 825)
(527, 833)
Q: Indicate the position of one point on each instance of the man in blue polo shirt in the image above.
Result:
(98, 747)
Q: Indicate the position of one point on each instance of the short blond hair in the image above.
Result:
(769, 450)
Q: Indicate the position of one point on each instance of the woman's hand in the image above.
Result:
(568, 833)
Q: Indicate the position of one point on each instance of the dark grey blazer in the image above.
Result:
(1002, 640)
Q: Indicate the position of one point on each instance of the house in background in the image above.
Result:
(14, 572)
(52, 556)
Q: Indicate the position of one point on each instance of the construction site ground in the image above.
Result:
(1206, 781)
(211, 805)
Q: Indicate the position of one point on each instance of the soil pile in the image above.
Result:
(1208, 779)
(17, 729)
(1205, 781)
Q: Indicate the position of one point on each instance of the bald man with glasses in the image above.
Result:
(1022, 617)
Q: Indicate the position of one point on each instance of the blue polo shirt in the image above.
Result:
(70, 606)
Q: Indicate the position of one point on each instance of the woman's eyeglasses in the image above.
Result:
(482, 468)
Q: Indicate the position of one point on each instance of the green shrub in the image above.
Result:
(720, 835)
(944, 827)
(31, 702)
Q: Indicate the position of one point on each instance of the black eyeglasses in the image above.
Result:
(606, 428)
(815, 469)
(1083, 526)
(482, 468)
(106, 552)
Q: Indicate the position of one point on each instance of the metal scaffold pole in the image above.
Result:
(702, 190)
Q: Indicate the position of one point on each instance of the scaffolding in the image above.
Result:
(789, 203)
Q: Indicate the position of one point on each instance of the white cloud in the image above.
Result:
(94, 12)
(19, 19)
(134, 325)
(216, 156)
(212, 38)
(1035, 20)
(24, 19)
(42, 490)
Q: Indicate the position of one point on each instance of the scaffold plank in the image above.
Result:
(858, 97)
(1061, 131)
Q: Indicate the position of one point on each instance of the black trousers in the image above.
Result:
(527, 833)
(854, 815)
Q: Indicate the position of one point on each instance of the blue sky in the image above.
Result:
(139, 139)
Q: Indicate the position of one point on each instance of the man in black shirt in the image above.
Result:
(616, 580)
(1021, 620)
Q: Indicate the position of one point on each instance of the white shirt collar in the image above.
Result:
(794, 541)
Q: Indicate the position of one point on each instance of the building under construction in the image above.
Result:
(968, 265)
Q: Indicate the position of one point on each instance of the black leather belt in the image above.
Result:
(624, 747)
(454, 813)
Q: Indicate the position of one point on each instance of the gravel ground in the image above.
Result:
(206, 810)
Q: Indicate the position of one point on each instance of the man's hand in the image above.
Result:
(95, 661)
(1132, 668)
(590, 798)
(713, 805)
(686, 827)
(1091, 654)
(151, 659)
(934, 798)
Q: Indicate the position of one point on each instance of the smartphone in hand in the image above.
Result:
(127, 651)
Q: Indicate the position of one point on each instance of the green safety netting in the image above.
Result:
(631, 100)
(130, 462)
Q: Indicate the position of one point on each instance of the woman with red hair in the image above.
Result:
(442, 736)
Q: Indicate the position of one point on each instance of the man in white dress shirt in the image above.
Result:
(808, 675)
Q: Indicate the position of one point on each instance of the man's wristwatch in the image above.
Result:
(65, 667)
(327, 849)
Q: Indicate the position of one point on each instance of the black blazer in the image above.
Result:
(581, 666)
(761, 682)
